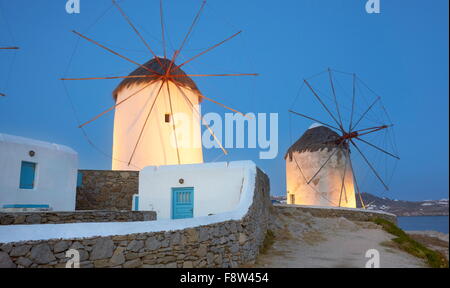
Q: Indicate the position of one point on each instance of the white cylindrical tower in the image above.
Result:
(158, 121)
(305, 162)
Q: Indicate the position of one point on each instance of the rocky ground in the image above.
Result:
(305, 241)
(432, 239)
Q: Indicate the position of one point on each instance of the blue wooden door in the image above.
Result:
(182, 202)
(27, 174)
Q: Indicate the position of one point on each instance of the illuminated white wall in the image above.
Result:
(55, 177)
(217, 186)
(325, 189)
(157, 145)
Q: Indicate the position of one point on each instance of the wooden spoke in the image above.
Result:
(114, 107)
(209, 49)
(136, 31)
(378, 148)
(356, 182)
(175, 54)
(110, 78)
(370, 165)
(163, 33)
(156, 76)
(343, 182)
(360, 198)
(359, 194)
(191, 27)
(315, 190)
(145, 123)
(323, 165)
(374, 130)
(335, 99)
(224, 106)
(353, 103)
(323, 104)
(203, 120)
(310, 118)
(173, 122)
(115, 53)
(365, 112)
(214, 75)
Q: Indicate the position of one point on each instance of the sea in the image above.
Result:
(423, 223)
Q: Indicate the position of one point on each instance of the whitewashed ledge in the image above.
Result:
(356, 214)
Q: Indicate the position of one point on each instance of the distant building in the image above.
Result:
(319, 170)
(36, 175)
(278, 199)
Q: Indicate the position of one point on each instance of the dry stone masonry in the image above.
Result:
(17, 218)
(225, 244)
(107, 190)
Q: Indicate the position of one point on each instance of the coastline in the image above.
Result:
(439, 223)
(419, 214)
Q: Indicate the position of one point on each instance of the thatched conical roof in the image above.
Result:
(315, 139)
(155, 65)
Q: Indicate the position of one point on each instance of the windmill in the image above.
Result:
(159, 120)
(7, 49)
(321, 164)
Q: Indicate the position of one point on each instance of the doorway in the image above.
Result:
(182, 202)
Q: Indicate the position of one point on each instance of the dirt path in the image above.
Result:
(305, 241)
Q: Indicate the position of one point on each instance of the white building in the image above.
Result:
(36, 174)
(151, 109)
(195, 190)
(319, 170)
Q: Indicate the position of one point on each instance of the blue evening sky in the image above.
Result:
(401, 53)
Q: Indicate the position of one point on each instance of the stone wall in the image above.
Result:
(17, 218)
(107, 190)
(350, 214)
(225, 244)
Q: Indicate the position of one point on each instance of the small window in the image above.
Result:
(167, 118)
(79, 179)
(292, 198)
(136, 202)
(27, 175)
